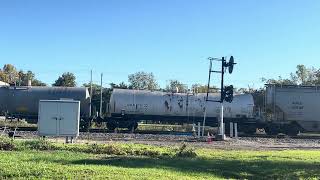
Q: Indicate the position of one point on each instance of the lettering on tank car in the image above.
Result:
(297, 105)
(137, 107)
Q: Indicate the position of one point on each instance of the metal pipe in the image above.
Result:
(221, 122)
(236, 130)
(231, 129)
(210, 69)
(204, 118)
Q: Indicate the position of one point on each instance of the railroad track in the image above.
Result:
(97, 130)
(281, 136)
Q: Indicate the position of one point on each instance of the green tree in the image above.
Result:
(317, 77)
(143, 81)
(66, 80)
(199, 88)
(279, 81)
(122, 85)
(29, 75)
(303, 75)
(9, 74)
(175, 85)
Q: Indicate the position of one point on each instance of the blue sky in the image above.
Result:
(171, 38)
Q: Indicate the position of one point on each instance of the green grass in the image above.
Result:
(85, 162)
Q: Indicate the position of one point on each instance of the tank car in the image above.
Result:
(291, 109)
(127, 107)
(23, 102)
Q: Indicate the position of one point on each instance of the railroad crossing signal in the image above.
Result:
(226, 91)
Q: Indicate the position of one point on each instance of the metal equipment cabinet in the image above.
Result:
(59, 118)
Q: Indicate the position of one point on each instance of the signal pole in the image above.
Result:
(101, 91)
(222, 133)
(226, 93)
(90, 110)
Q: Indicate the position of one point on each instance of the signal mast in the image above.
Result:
(226, 92)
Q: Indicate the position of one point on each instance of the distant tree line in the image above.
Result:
(302, 76)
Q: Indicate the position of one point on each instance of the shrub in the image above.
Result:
(6, 144)
(40, 144)
(106, 149)
(183, 151)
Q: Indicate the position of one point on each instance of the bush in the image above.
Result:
(40, 144)
(106, 149)
(184, 152)
(6, 144)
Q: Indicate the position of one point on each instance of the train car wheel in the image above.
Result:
(248, 129)
(85, 124)
(133, 126)
(271, 130)
(112, 125)
(292, 130)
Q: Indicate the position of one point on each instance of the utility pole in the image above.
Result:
(90, 110)
(101, 92)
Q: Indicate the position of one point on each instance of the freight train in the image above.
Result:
(287, 109)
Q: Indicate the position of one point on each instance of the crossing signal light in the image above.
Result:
(227, 94)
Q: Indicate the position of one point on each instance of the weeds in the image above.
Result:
(41, 144)
(184, 152)
(108, 149)
(6, 144)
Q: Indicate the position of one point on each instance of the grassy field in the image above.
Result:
(37, 159)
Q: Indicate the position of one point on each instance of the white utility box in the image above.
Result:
(59, 118)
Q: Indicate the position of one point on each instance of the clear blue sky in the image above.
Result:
(171, 38)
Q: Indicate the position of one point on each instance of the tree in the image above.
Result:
(279, 81)
(66, 80)
(9, 74)
(199, 88)
(122, 85)
(175, 85)
(317, 77)
(303, 75)
(142, 80)
(29, 75)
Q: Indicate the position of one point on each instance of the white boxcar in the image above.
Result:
(59, 118)
(300, 104)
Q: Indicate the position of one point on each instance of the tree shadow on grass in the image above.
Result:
(224, 168)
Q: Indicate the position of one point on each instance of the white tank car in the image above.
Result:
(295, 105)
(135, 105)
